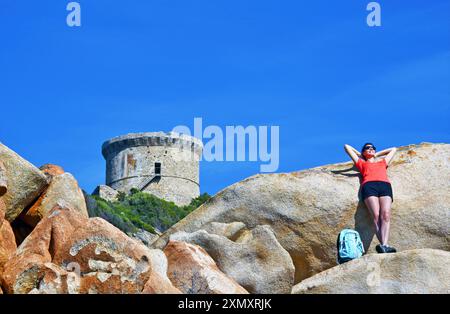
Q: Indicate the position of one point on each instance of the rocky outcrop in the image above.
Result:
(106, 192)
(63, 189)
(228, 230)
(307, 209)
(51, 170)
(260, 235)
(25, 182)
(255, 259)
(69, 253)
(158, 282)
(3, 180)
(193, 271)
(420, 271)
(7, 239)
(143, 236)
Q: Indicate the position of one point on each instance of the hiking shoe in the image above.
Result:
(389, 249)
(385, 249)
(380, 248)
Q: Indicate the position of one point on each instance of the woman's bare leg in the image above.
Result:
(385, 217)
(373, 204)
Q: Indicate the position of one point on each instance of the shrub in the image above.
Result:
(140, 210)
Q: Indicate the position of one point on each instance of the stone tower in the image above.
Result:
(163, 164)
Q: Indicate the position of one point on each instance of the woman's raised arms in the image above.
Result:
(389, 152)
(352, 152)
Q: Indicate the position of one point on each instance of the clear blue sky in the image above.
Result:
(312, 67)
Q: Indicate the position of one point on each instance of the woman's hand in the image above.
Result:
(352, 152)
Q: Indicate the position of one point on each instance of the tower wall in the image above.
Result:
(131, 159)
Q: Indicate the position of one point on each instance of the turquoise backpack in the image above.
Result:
(349, 246)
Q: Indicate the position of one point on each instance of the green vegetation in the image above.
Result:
(140, 210)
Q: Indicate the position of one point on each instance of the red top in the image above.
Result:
(372, 171)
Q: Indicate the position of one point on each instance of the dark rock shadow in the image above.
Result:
(364, 224)
(363, 219)
(21, 230)
(350, 172)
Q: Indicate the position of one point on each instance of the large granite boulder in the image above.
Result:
(63, 189)
(3, 180)
(51, 170)
(193, 271)
(69, 253)
(7, 239)
(25, 182)
(255, 259)
(106, 193)
(422, 271)
(228, 230)
(307, 209)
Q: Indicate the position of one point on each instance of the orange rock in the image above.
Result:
(158, 285)
(2, 208)
(51, 170)
(69, 253)
(193, 271)
(63, 189)
(31, 216)
(7, 239)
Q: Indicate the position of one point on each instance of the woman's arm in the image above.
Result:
(383, 152)
(390, 152)
(353, 153)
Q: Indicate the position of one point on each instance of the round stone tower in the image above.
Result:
(163, 164)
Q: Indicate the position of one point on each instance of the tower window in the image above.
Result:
(157, 168)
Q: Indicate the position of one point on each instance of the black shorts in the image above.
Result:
(376, 188)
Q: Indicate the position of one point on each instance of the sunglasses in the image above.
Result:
(369, 147)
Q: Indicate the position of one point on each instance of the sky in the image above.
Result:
(313, 68)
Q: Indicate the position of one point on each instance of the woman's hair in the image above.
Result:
(362, 150)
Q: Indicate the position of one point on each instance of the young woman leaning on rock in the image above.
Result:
(376, 190)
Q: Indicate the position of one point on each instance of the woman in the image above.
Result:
(376, 190)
